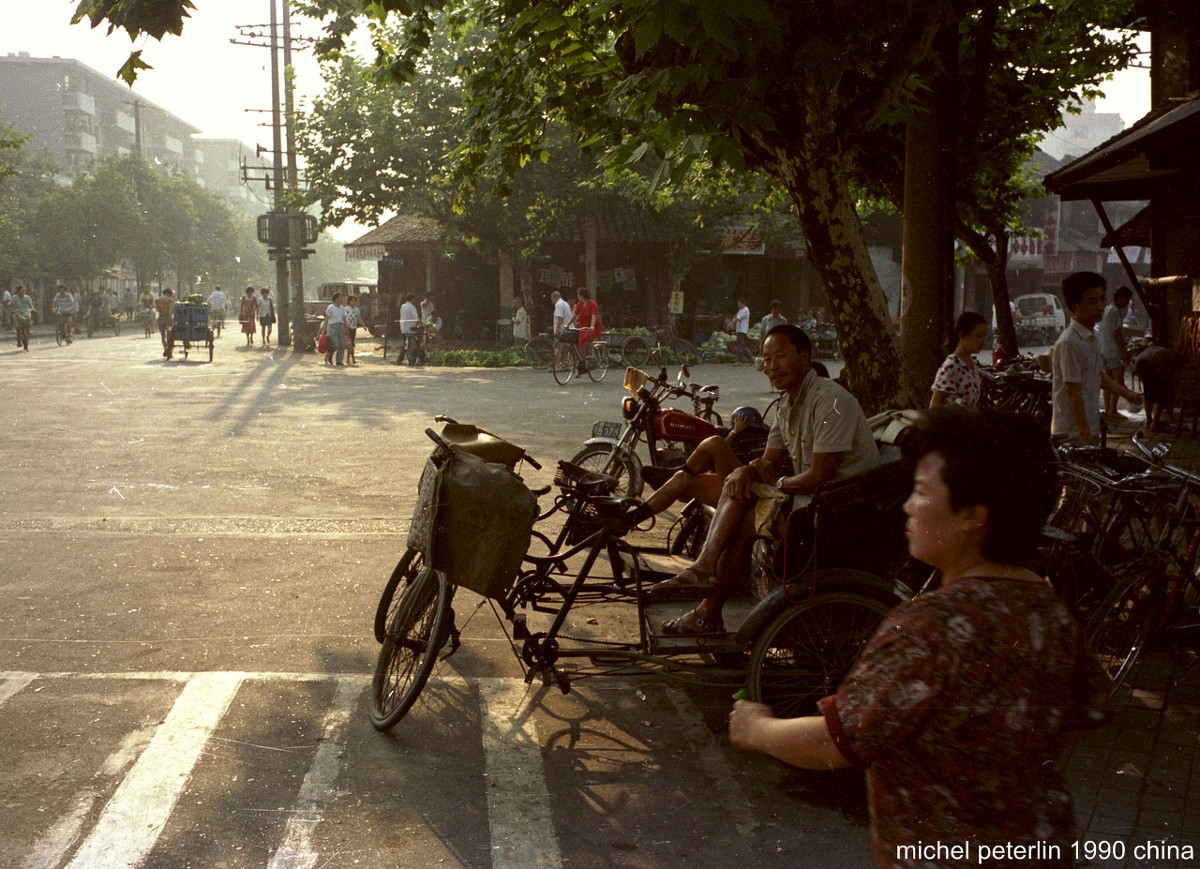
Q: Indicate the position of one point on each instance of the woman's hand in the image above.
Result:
(745, 721)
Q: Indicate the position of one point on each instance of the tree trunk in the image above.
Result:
(995, 263)
(929, 218)
(834, 238)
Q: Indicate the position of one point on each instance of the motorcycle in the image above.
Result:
(670, 433)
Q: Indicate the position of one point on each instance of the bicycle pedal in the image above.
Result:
(520, 627)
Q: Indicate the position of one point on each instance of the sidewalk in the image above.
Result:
(1136, 782)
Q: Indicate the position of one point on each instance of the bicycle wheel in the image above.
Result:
(598, 365)
(685, 351)
(415, 634)
(59, 334)
(808, 649)
(606, 459)
(635, 351)
(116, 326)
(563, 368)
(1121, 624)
(407, 569)
(539, 352)
(686, 536)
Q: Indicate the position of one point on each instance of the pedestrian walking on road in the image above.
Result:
(266, 316)
(353, 316)
(960, 705)
(335, 330)
(248, 315)
(22, 316)
(165, 306)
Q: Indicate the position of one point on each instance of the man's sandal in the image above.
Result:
(690, 584)
(690, 624)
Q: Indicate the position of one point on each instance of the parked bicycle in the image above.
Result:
(569, 361)
(1123, 542)
(791, 648)
(538, 351)
(664, 346)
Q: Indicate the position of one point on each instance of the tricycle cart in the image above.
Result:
(190, 328)
(478, 526)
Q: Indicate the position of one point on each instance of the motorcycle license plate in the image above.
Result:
(610, 430)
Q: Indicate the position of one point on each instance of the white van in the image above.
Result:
(1039, 317)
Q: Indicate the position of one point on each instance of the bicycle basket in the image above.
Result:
(482, 524)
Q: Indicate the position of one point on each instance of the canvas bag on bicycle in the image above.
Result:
(476, 518)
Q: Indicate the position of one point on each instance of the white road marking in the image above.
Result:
(135, 816)
(522, 827)
(50, 849)
(13, 683)
(296, 851)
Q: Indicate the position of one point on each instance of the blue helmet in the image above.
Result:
(752, 416)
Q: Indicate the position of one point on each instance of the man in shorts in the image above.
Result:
(165, 305)
(822, 428)
(218, 303)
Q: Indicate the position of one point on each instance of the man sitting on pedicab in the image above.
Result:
(822, 428)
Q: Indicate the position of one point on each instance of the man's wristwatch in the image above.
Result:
(779, 482)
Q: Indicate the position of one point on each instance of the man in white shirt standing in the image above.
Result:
(562, 312)
(741, 326)
(1113, 352)
(410, 319)
(1075, 364)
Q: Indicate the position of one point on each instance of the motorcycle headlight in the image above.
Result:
(629, 407)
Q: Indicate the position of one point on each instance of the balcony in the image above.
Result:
(82, 103)
(126, 122)
(84, 142)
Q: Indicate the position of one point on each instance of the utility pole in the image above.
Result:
(282, 287)
(296, 234)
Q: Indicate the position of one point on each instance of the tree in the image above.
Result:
(787, 88)
(1018, 64)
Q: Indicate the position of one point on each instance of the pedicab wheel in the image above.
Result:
(808, 649)
(416, 632)
(635, 351)
(407, 570)
(563, 366)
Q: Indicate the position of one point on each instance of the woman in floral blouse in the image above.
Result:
(957, 381)
(960, 704)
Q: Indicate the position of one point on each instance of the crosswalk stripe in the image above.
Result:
(296, 850)
(135, 816)
(14, 683)
(522, 828)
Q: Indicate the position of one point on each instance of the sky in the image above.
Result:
(225, 89)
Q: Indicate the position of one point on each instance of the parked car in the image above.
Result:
(1038, 317)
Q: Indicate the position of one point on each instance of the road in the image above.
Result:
(192, 555)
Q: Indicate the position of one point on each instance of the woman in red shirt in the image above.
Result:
(587, 319)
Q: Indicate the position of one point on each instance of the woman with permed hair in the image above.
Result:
(960, 704)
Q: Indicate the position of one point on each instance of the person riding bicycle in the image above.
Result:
(587, 317)
(64, 309)
(218, 301)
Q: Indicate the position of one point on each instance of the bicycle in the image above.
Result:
(568, 360)
(62, 331)
(669, 348)
(793, 646)
(538, 352)
(1158, 594)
